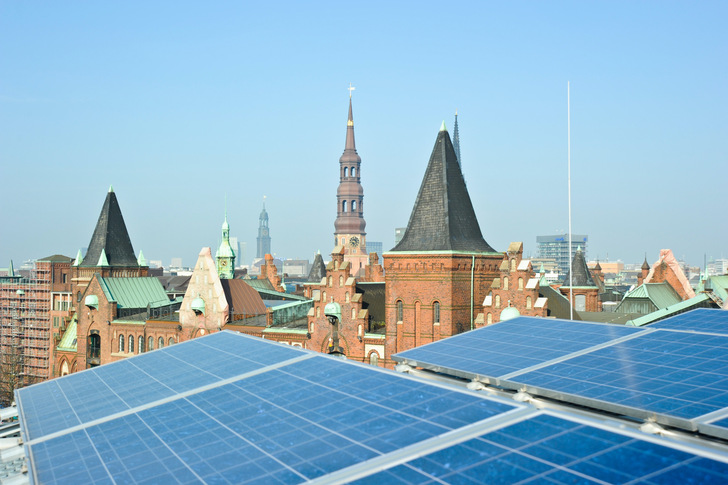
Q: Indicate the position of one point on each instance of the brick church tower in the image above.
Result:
(110, 252)
(440, 272)
(350, 225)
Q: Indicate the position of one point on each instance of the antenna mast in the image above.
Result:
(568, 138)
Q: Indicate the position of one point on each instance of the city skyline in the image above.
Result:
(177, 105)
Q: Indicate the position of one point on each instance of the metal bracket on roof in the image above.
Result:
(403, 368)
(475, 385)
(651, 427)
(522, 396)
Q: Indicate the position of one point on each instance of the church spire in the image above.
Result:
(349, 227)
(225, 255)
(456, 139)
(110, 237)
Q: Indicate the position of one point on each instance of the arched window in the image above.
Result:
(346, 171)
(171, 340)
(94, 346)
(353, 206)
(161, 342)
(497, 301)
(324, 300)
(150, 344)
(353, 171)
(520, 283)
(399, 310)
(436, 312)
(348, 297)
(489, 319)
(580, 303)
(121, 343)
(343, 206)
(353, 313)
(141, 345)
(331, 282)
(131, 344)
(78, 296)
(505, 283)
(318, 312)
(513, 264)
(374, 358)
(528, 303)
(341, 281)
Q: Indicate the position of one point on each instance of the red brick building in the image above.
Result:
(439, 274)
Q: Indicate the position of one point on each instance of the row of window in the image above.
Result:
(346, 171)
(141, 342)
(353, 206)
(435, 311)
(497, 302)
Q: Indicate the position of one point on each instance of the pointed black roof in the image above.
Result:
(582, 275)
(110, 236)
(318, 270)
(443, 218)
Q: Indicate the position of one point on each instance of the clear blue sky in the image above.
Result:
(179, 103)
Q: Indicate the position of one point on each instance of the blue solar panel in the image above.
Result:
(58, 404)
(289, 424)
(506, 347)
(548, 449)
(700, 320)
(679, 376)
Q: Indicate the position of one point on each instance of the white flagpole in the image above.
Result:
(568, 137)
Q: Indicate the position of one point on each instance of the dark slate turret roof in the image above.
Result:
(318, 270)
(645, 265)
(111, 237)
(443, 218)
(582, 275)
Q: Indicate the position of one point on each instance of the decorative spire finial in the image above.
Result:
(350, 88)
(443, 127)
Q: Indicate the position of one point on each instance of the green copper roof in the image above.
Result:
(79, 259)
(661, 294)
(68, 341)
(134, 292)
(103, 261)
(141, 260)
(111, 188)
(443, 127)
(11, 271)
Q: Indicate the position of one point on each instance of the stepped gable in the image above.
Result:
(110, 237)
(582, 275)
(443, 218)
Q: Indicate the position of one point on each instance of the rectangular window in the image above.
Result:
(55, 321)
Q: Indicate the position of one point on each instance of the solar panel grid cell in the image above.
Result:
(548, 449)
(508, 347)
(699, 320)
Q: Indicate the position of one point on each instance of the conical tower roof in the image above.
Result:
(318, 270)
(110, 237)
(443, 218)
(582, 275)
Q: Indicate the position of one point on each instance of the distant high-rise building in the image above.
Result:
(399, 234)
(263, 234)
(176, 263)
(242, 252)
(350, 225)
(557, 248)
(375, 247)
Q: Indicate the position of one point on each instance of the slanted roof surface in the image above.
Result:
(111, 237)
(68, 341)
(661, 294)
(57, 258)
(443, 218)
(318, 269)
(582, 275)
(242, 298)
(701, 300)
(136, 292)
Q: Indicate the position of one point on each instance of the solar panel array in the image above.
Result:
(676, 377)
(700, 320)
(264, 412)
